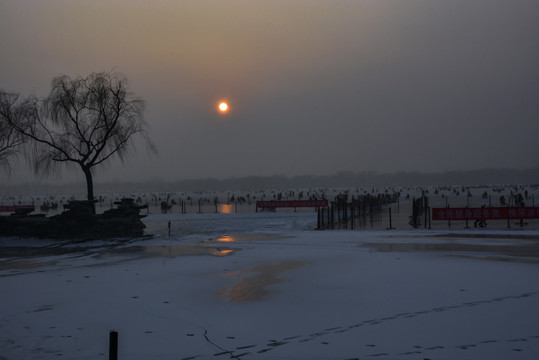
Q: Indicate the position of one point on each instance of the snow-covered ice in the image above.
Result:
(267, 286)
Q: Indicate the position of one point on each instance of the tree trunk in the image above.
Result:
(89, 187)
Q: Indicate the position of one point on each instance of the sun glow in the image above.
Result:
(223, 107)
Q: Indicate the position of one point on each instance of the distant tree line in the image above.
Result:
(368, 181)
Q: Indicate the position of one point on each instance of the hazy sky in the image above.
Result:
(314, 87)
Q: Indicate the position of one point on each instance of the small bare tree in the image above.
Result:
(11, 140)
(82, 122)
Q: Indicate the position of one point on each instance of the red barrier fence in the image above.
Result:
(292, 203)
(13, 208)
(490, 213)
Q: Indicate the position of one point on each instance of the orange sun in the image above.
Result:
(223, 107)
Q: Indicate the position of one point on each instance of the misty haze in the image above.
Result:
(313, 87)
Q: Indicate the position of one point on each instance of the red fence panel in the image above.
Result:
(490, 213)
(292, 203)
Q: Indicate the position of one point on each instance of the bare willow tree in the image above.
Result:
(11, 140)
(83, 122)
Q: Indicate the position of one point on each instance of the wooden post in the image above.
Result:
(390, 222)
(113, 345)
(425, 209)
(346, 212)
(329, 219)
(449, 220)
(415, 213)
(352, 214)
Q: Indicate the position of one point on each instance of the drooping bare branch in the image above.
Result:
(83, 121)
(11, 140)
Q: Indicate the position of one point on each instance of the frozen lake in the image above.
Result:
(266, 286)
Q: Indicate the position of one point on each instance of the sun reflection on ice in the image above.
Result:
(226, 209)
(227, 238)
(253, 284)
(221, 252)
(185, 250)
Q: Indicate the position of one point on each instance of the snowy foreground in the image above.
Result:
(266, 286)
